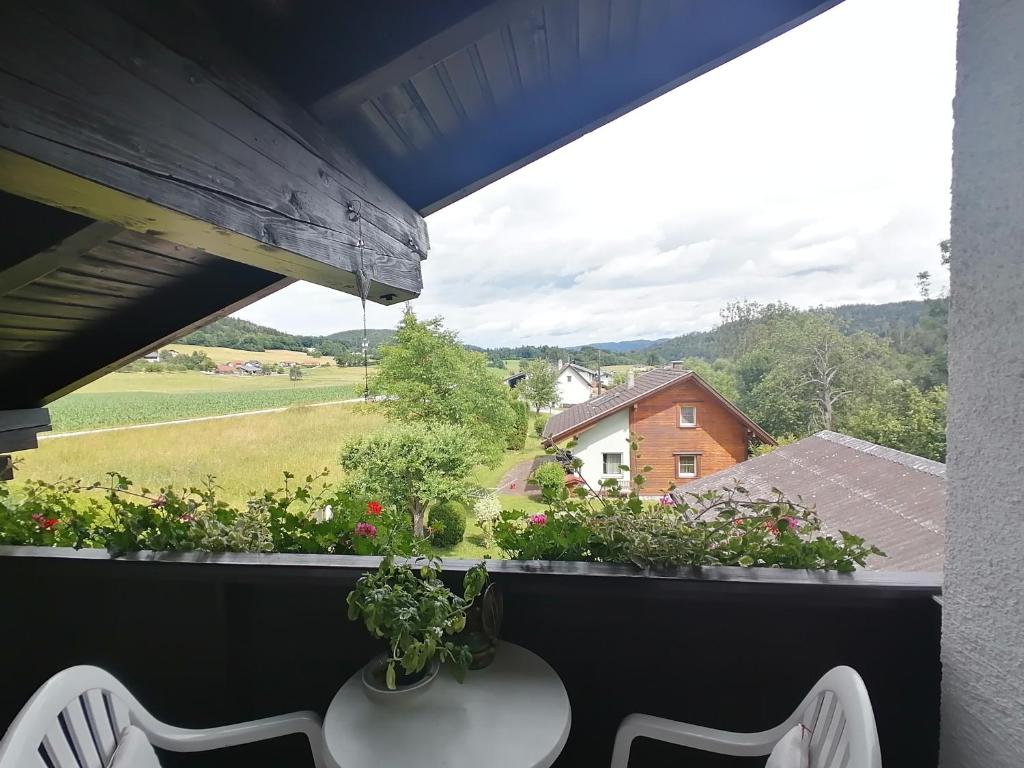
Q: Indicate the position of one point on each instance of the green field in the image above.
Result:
(120, 399)
(227, 355)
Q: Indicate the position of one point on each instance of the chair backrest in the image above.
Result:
(74, 720)
(838, 713)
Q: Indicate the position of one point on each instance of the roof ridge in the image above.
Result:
(909, 460)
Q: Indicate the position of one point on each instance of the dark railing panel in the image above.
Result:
(208, 639)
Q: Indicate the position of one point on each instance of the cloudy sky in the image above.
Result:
(814, 169)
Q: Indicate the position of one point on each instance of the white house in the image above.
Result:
(577, 384)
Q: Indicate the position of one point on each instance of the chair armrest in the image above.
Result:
(198, 739)
(693, 736)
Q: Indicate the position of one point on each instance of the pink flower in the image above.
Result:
(187, 518)
(159, 502)
(368, 530)
(539, 519)
(666, 501)
(374, 508)
(791, 523)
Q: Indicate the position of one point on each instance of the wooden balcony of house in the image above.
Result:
(206, 639)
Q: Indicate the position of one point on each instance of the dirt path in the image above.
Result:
(196, 420)
(514, 481)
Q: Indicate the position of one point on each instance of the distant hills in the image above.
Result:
(632, 345)
(241, 334)
(880, 319)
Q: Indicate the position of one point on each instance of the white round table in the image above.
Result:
(513, 714)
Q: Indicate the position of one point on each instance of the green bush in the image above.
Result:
(549, 477)
(447, 523)
(539, 422)
(521, 425)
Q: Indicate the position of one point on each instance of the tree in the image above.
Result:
(295, 373)
(413, 467)
(427, 375)
(905, 418)
(801, 373)
(539, 388)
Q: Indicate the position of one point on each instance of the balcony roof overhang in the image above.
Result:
(165, 164)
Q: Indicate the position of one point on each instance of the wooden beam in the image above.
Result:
(18, 428)
(217, 290)
(62, 254)
(98, 118)
(334, 105)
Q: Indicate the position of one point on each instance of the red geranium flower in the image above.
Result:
(46, 523)
(374, 508)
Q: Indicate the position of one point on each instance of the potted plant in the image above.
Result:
(415, 613)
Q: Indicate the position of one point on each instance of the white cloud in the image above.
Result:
(814, 169)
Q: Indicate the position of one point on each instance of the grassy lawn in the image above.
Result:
(246, 454)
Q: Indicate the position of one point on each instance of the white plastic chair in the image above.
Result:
(837, 711)
(77, 716)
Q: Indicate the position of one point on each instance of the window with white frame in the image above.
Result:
(687, 465)
(687, 416)
(612, 464)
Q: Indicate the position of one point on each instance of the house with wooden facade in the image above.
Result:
(686, 428)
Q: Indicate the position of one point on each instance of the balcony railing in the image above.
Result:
(207, 639)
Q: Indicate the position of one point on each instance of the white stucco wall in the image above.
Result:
(610, 435)
(572, 388)
(983, 600)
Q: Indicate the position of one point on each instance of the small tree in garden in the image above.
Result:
(413, 466)
(539, 388)
(426, 375)
(295, 373)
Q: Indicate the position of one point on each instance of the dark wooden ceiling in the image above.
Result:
(441, 98)
(436, 98)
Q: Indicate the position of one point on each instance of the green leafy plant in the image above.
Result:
(722, 527)
(539, 422)
(487, 511)
(549, 477)
(415, 612)
(306, 517)
(447, 524)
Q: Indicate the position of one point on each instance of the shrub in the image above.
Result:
(311, 517)
(549, 477)
(447, 524)
(488, 512)
(726, 527)
(520, 426)
(539, 422)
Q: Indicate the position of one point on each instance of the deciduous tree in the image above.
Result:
(427, 375)
(413, 466)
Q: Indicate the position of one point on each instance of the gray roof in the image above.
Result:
(895, 500)
(611, 401)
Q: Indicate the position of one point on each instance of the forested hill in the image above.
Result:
(241, 334)
(892, 320)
